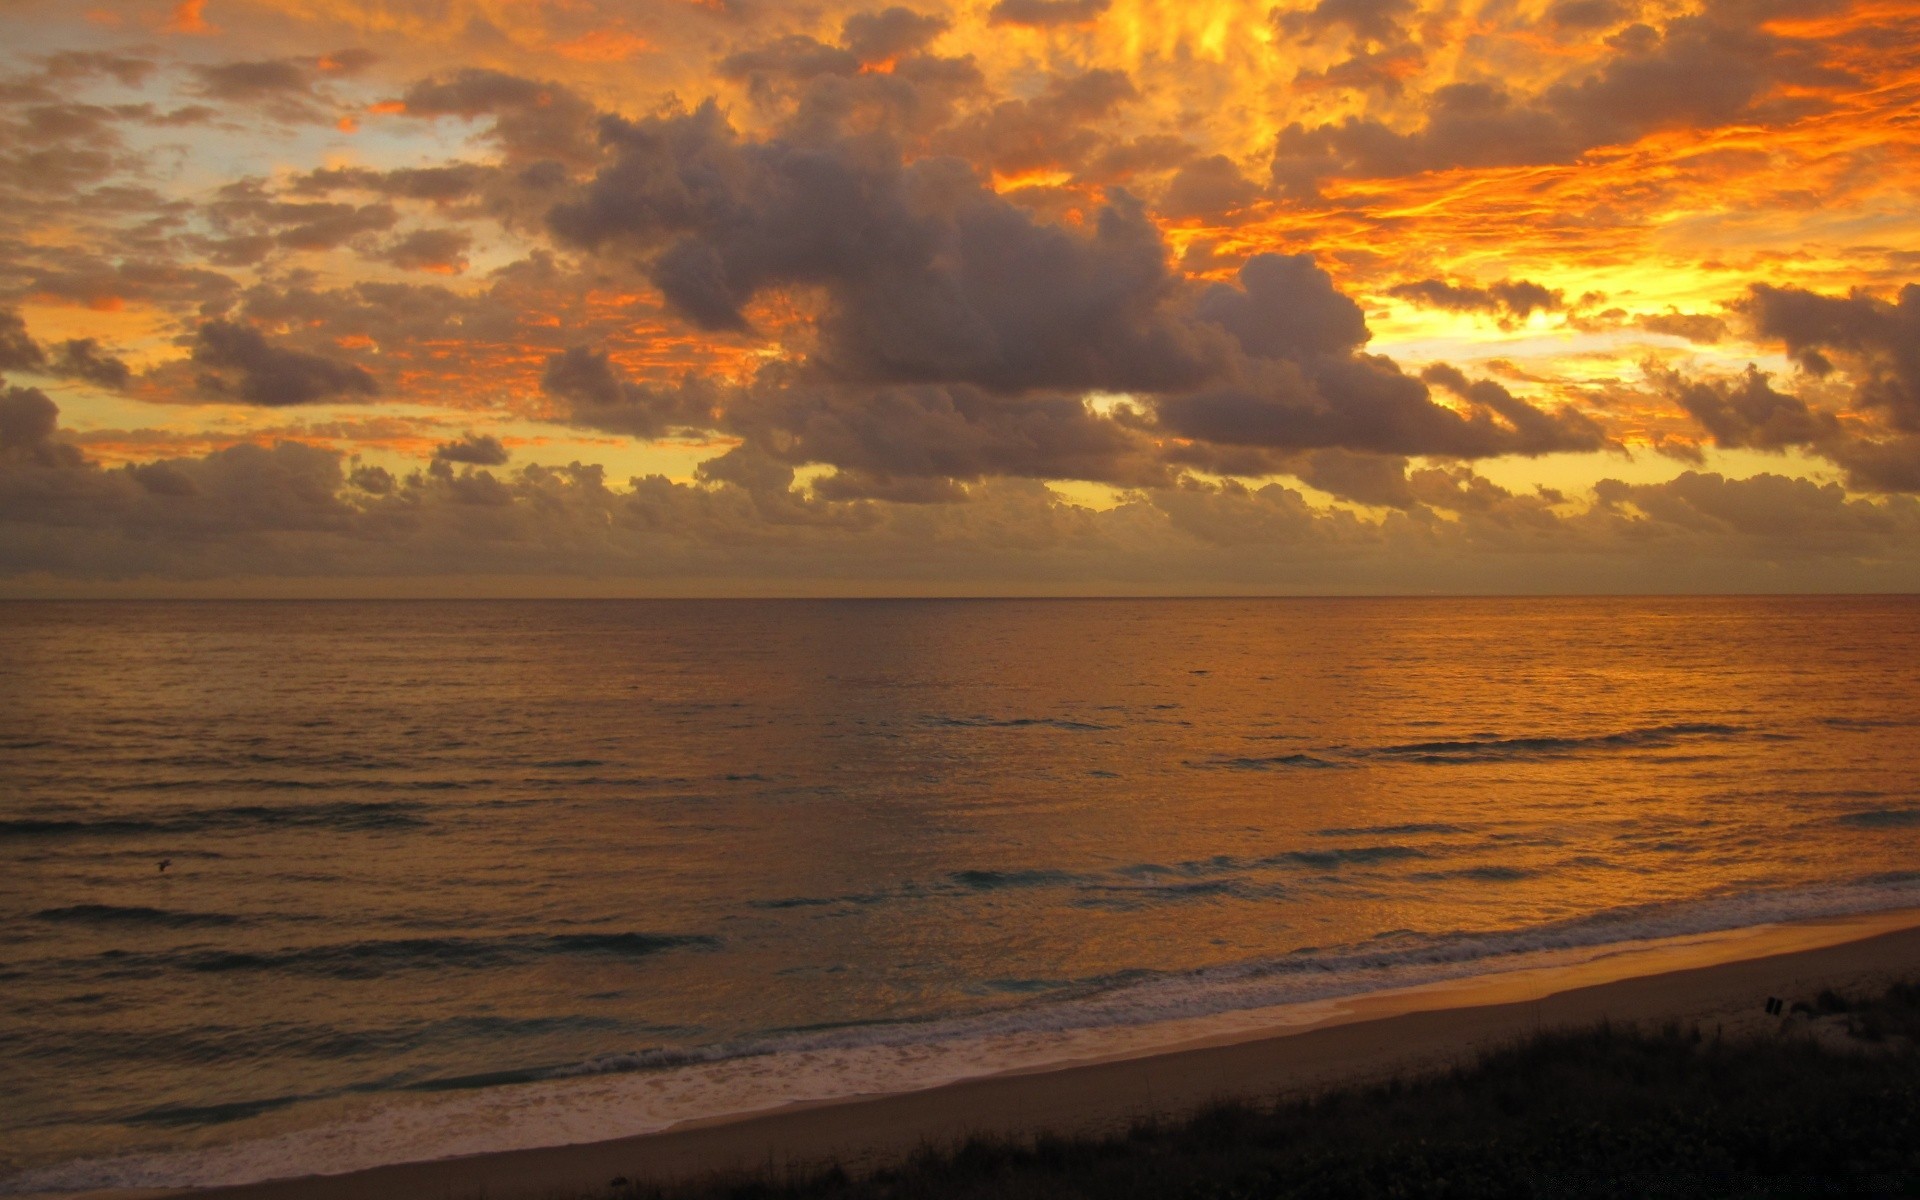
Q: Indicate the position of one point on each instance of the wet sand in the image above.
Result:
(1718, 981)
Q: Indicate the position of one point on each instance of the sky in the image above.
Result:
(994, 297)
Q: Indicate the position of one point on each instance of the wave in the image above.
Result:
(1380, 830)
(372, 959)
(136, 915)
(650, 1088)
(1275, 762)
(348, 816)
(1482, 748)
(1015, 723)
(992, 881)
(1881, 818)
(1476, 749)
(1220, 869)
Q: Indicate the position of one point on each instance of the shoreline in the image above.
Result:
(1722, 979)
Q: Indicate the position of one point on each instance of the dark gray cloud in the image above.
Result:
(929, 275)
(884, 435)
(890, 33)
(480, 450)
(1887, 465)
(1367, 70)
(442, 250)
(18, 350)
(75, 358)
(254, 80)
(1284, 306)
(1877, 340)
(1512, 297)
(1208, 187)
(598, 397)
(1535, 431)
(1368, 20)
(28, 421)
(291, 509)
(794, 57)
(1588, 14)
(239, 363)
(325, 226)
(1699, 72)
(1747, 412)
(1056, 129)
(1379, 479)
(1694, 327)
(533, 120)
(444, 184)
(1366, 403)
(83, 358)
(1042, 14)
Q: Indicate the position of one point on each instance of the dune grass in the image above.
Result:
(1604, 1112)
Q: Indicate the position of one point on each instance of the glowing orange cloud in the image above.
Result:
(603, 45)
(189, 16)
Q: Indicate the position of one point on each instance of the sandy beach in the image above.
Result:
(1720, 982)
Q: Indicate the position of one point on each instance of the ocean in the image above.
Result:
(447, 877)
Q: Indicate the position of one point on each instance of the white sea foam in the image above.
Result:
(623, 1095)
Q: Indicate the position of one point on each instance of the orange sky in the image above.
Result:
(722, 296)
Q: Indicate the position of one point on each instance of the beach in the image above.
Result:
(1721, 984)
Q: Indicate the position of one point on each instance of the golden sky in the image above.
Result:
(334, 297)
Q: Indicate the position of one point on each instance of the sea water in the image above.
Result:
(448, 877)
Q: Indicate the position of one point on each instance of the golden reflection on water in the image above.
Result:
(397, 829)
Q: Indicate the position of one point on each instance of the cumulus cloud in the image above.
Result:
(1748, 412)
(929, 274)
(439, 250)
(1699, 71)
(1879, 339)
(238, 362)
(75, 358)
(18, 350)
(1208, 187)
(532, 120)
(475, 449)
(296, 509)
(597, 396)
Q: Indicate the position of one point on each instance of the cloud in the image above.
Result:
(1208, 187)
(18, 350)
(28, 420)
(1699, 72)
(533, 120)
(1043, 14)
(1511, 297)
(291, 509)
(881, 36)
(1694, 327)
(928, 274)
(1747, 412)
(82, 358)
(482, 450)
(239, 363)
(1367, 20)
(253, 80)
(439, 250)
(1879, 340)
(598, 397)
(75, 358)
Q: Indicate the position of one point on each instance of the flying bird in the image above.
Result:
(164, 864)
